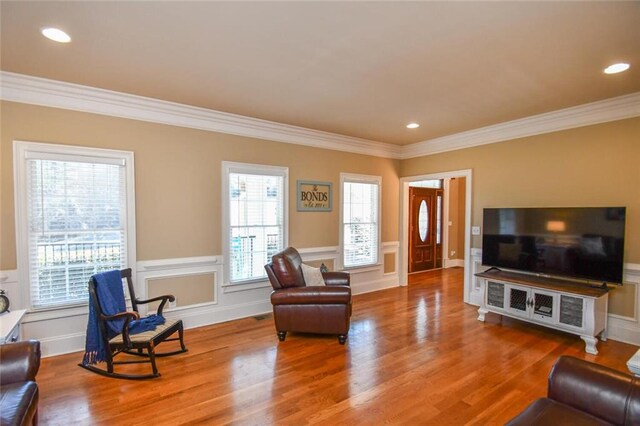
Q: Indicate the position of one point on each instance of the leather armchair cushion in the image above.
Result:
(320, 295)
(19, 403)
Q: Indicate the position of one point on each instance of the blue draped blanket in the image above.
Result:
(110, 294)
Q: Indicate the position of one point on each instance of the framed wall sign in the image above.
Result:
(314, 196)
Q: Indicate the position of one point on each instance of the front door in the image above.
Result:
(425, 229)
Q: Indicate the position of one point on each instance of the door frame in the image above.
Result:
(404, 224)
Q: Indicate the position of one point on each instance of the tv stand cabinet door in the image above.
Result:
(518, 301)
(572, 312)
(495, 296)
(545, 306)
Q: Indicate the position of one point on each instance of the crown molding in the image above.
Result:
(57, 94)
(612, 109)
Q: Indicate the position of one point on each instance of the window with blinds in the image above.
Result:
(360, 220)
(256, 218)
(76, 223)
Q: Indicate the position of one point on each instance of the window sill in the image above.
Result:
(47, 314)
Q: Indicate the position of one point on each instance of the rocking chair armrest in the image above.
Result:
(121, 315)
(127, 316)
(169, 297)
(164, 299)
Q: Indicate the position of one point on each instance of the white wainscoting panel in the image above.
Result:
(392, 247)
(227, 305)
(477, 285)
(626, 329)
(314, 254)
(363, 280)
(63, 331)
(9, 283)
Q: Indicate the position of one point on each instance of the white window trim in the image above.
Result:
(229, 167)
(358, 178)
(22, 150)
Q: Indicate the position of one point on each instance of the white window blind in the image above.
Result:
(360, 221)
(76, 226)
(256, 221)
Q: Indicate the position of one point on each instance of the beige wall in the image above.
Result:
(178, 178)
(457, 189)
(462, 202)
(453, 219)
(590, 166)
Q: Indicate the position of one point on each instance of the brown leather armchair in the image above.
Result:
(299, 308)
(584, 393)
(19, 364)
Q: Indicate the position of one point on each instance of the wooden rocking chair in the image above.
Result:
(142, 344)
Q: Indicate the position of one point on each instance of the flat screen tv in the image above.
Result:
(585, 243)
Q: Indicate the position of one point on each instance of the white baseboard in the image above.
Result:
(194, 318)
(454, 263)
(388, 281)
(62, 344)
(623, 331)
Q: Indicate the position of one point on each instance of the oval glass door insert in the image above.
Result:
(423, 220)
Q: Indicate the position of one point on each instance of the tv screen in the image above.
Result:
(578, 242)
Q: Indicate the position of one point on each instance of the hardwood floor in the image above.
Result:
(415, 355)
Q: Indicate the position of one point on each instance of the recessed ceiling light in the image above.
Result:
(55, 34)
(413, 126)
(616, 68)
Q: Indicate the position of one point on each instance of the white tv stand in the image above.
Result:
(563, 305)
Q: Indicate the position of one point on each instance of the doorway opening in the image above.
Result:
(426, 199)
(452, 227)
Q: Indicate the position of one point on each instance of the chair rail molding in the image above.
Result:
(144, 266)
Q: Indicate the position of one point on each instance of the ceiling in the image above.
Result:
(361, 69)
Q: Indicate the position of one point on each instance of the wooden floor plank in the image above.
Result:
(415, 355)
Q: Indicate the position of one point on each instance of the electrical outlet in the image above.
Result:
(453, 253)
(475, 230)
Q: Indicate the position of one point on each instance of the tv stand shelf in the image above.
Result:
(563, 305)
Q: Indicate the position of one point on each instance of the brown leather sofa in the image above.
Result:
(300, 308)
(584, 393)
(19, 364)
